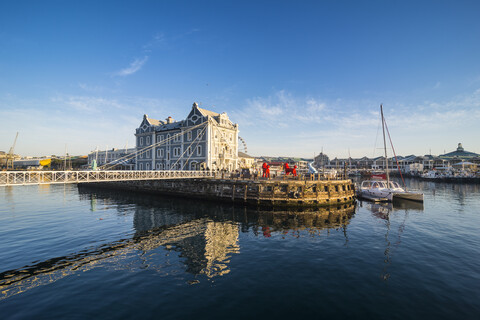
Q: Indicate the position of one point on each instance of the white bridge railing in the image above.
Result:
(10, 178)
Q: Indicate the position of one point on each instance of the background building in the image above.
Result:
(113, 158)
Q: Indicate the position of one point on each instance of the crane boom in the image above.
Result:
(10, 154)
(12, 149)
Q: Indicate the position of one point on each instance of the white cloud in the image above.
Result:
(89, 88)
(279, 124)
(156, 41)
(135, 66)
(302, 125)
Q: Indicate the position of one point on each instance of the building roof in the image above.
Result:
(459, 153)
(207, 112)
(154, 122)
(171, 126)
(244, 155)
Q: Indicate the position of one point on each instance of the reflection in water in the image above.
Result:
(463, 191)
(205, 235)
(8, 193)
(384, 211)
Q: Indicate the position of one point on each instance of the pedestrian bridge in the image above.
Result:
(13, 178)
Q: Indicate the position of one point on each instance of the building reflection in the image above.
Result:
(457, 191)
(204, 234)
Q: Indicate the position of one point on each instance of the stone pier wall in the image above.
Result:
(296, 193)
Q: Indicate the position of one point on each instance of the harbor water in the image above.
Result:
(85, 253)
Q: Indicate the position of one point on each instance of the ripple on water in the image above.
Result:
(90, 253)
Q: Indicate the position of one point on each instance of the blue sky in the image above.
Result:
(297, 76)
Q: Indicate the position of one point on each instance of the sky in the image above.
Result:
(298, 77)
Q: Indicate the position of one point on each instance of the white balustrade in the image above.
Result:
(11, 178)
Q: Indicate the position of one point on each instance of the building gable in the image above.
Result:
(145, 126)
(195, 116)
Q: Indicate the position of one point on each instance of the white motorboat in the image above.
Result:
(386, 190)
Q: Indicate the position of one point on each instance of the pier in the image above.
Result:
(263, 192)
(211, 185)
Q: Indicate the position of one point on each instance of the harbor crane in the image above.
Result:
(10, 155)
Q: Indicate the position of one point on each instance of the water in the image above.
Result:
(84, 253)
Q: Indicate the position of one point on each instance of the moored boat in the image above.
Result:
(379, 190)
(386, 191)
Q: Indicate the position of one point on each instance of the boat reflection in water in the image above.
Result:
(383, 210)
(395, 217)
(205, 234)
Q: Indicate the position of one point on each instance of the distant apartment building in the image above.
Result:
(321, 160)
(123, 158)
(204, 140)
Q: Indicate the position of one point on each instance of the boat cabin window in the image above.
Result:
(366, 184)
(379, 184)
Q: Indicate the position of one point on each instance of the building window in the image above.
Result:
(158, 166)
(177, 137)
(159, 138)
(189, 136)
(162, 153)
(141, 155)
(168, 155)
(140, 166)
(189, 151)
(148, 154)
(168, 138)
(148, 140)
(141, 141)
(199, 150)
(148, 166)
(231, 137)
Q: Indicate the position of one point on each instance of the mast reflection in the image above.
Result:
(385, 212)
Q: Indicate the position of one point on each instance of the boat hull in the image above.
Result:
(384, 195)
(412, 196)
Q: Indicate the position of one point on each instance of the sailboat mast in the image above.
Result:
(385, 145)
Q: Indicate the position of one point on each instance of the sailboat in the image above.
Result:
(378, 189)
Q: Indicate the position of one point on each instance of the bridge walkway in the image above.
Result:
(12, 178)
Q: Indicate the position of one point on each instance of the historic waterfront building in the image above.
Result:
(458, 155)
(204, 140)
